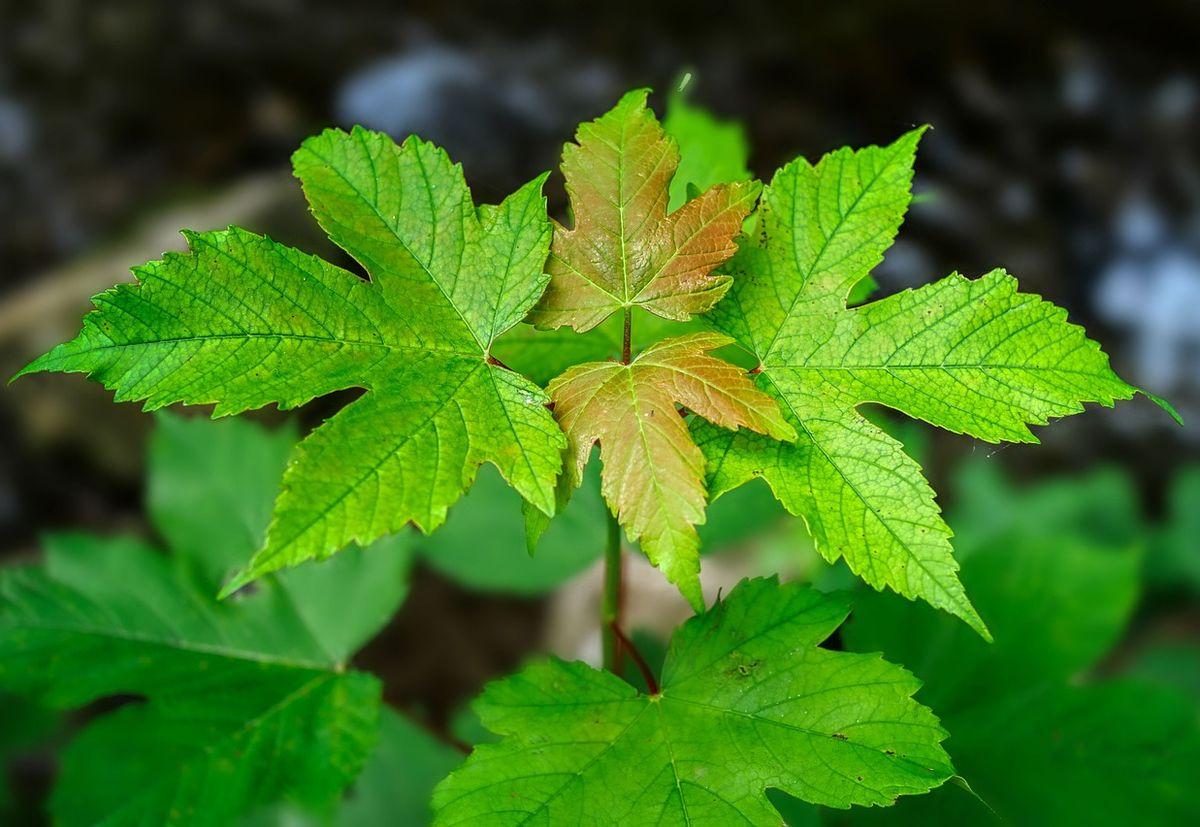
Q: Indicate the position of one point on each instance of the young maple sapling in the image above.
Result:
(694, 324)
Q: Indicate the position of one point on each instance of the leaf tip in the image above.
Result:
(241, 579)
(1155, 398)
(783, 430)
(38, 365)
(972, 619)
(634, 98)
(693, 592)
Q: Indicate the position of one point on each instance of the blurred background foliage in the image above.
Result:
(1066, 147)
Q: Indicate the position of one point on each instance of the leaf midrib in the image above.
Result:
(870, 506)
(842, 218)
(374, 469)
(374, 208)
(179, 645)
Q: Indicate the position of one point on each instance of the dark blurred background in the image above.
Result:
(1066, 148)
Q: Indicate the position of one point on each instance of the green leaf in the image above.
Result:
(738, 517)
(748, 702)
(711, 151)
(653, 474)
(211, 485)
(571, 542)
(483, 543)
(242, 705)
(1037, 743)
(239, 703)
(1116, 753)
(1099, 509)
(396, 785)
(1061, 604)
(1173, 664)
(973, 357)
(244, 322)
(1174, 561)
(24, 723)
(625, 249)
(544, 354)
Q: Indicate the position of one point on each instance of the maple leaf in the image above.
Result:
(244, 322)
(242, 702)
(625, 249)
(973, 357)
(711, 152)
(1041, 739)
(653, 474)
(748, 701)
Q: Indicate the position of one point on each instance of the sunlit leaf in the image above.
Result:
(243, 322)
(971, 356)
(748, 702)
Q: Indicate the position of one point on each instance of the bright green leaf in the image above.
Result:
(244, 322)
(973, 357)
(748, 702)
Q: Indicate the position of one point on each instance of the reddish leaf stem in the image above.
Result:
(643, 667)
(458, 744)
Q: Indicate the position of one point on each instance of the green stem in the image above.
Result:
(610, 607)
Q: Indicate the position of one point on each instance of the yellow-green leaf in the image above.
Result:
(971, 356)
(749, 702)
(242, 322)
